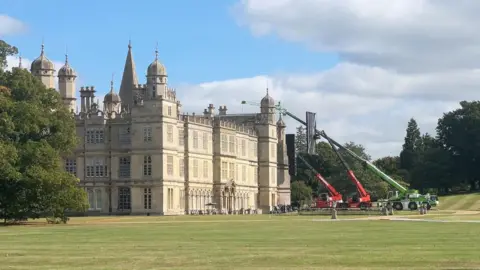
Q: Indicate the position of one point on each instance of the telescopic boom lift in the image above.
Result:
(363, 200)
(403, 199)
(325, 200)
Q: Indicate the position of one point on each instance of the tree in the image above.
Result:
(36, 130)
(433, 169)
(301, 193)
(301, 140)
(6, 50)
(458, 133)
(412, 142)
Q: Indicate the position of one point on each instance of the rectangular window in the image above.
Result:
(96, 167)
(98, 199)
(237, 171)
(124, 135)
(244, 148)
(195, 139)
(244, 173)
(147, 198)
(205, 141)
(124, 167)
(272, 150)
(231, 170)
(71, 166)
(169, 111)
(195, 168)
(169, 165)
(147, 166)
(182, 199)
(224, 170)
(124, 202)
(170, 133)
(255, 175)
(205, 169)
(224, 143)
(181, 166)
(231, 144)
(181, 137)
(170, 198)
(255, 151)
(95, 136)
(147, 134)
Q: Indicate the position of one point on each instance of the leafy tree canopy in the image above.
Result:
(36, 130)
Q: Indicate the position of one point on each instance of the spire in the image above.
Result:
(156, 52)
(129, 78)
(20, 61)
(111, 85)
(66, 56)
(42, 52)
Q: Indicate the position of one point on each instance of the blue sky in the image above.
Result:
(199, 41)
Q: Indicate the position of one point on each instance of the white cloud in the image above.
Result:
(9, 25)
(406, 35)
(400, 59)
(349, 105)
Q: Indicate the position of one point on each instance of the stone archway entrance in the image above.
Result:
(229, 196)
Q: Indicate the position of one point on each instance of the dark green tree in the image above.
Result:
(433, 169)
(36, 130)
(301, 140)
(6, 50)
(458, 133)
(409, 155)
(301, 193)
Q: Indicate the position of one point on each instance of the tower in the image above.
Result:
(156, 78)
(111, 101)
(129, 80)
(283, 176)
(43, 69)
(66, 84)
(267, 155)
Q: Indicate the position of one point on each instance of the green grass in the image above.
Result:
(469, 202)
(238, 242)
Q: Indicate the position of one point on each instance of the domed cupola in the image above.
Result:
(112, 97)
(42, 63)
(156, 68)
(66, 70)
(267, 101)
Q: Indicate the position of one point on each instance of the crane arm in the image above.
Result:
(331, 190)
(360, 189)
(368, 164)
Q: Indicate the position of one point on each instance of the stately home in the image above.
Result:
(142, 155)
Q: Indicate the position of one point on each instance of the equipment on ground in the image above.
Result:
(401, 199)
(325, 200)
(362, 200)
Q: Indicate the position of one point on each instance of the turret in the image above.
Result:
(111, 101)
(43, 69)
(66, 84)
(156, 79)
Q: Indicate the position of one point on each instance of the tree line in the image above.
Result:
(443, 163)
(36, 130)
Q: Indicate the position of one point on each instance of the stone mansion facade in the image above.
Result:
(142, 155)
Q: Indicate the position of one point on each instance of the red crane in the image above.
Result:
(363, 200)
(333, 197)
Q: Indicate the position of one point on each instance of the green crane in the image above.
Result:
(402, 198)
